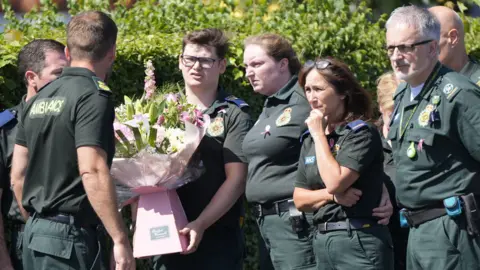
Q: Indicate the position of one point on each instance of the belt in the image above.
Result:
(68, 219)
(351, 224)
(415, 218)
(276, 208)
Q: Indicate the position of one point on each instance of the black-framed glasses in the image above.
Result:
(205, 62)
(320, 64)
(403, 48)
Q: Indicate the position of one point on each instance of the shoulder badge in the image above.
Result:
(237, 101)
(304, 135)
(216, 127)
(450, 91)
(5, 117)
(356, 125)
(284, 118)
(101, 85)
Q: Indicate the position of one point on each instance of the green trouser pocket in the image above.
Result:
(52, 245)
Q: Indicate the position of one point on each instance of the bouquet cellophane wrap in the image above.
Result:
(153, 178)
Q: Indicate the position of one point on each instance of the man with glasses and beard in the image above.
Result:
(434, 133)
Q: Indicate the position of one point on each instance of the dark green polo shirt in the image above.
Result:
(70, 112)
(8, 133)
(230, 122)
(359, 149)
(472, 70)
(273, 155)
(447, 151)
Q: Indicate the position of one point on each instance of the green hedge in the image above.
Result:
(153, 30)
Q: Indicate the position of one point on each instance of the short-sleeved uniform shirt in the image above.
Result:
(230, 122)
(72, 111)
(8, 132)
(273, 145)
(472, 70)
(357, 146)
(435, 140)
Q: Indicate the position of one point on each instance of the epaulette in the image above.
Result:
(101, 85)
(356, 125)
(305, 134)
(450, 90)
(6, 116)
(237, 101)
(400, 89)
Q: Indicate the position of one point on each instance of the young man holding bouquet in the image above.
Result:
(62, 155)
(212, 203)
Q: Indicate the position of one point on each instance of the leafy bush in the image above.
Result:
(154, 30)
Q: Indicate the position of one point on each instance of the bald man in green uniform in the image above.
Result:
(434, 133)
(453, 53)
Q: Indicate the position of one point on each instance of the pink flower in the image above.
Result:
(127, 132)
(171, 97)
(179, 107)
(149, 86)
(161, 120)
(185, 117)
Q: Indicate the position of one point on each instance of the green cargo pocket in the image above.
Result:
(52, 245)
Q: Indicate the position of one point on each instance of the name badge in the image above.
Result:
(309, 160)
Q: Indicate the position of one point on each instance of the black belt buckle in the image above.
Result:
(296, 217)
(257, 210)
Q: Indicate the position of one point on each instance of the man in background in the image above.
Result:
(39, 62)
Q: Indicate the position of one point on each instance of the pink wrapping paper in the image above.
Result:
(159, 218)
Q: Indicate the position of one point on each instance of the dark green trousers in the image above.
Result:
(366, 249)
(53, 245)
(288, 250)
(221, 248)
(442, 243)
(16, 239)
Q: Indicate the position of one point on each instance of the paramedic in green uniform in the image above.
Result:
(39, 62)
(453, 53)
(63, 150)
(341, 151)
(434, 133)
(272, 148)
(213, 203)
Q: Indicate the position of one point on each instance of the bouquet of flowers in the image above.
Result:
(157, 136)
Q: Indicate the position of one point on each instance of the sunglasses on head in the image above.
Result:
(320, 64)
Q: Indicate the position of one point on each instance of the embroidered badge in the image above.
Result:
(216, 128)
(100, 84)
(448, 89)
(436, 100)
(309, 160)
(424, 116)
(284, 118)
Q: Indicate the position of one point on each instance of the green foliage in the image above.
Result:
(154, 30)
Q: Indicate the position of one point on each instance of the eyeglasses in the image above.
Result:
(205, 62)
(403, 49)
(320, 64)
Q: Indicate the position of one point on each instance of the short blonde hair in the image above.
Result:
(386, 86)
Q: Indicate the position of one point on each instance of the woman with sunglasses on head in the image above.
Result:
(341, 151)
(272, 148)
